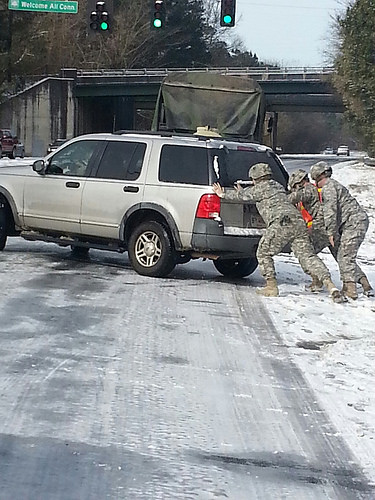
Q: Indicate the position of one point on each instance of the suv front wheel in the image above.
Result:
(3, 228)
(150, 250)
(236, 268)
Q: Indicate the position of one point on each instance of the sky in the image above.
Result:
(287, 32)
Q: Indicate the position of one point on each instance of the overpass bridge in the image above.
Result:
(286, 89)
(123, 92)
(83, 101)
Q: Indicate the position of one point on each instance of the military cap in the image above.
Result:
(320, 168)
(259, 170)
(297, 176)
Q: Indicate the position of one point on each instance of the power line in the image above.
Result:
(284, 5)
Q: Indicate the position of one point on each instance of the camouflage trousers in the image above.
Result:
(320, 241)
(347, 244)
(279, 235)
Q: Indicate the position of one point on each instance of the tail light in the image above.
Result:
(208, 207)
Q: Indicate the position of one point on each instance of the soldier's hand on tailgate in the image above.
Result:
(218, 190)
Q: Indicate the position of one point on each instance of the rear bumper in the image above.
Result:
(209, 236)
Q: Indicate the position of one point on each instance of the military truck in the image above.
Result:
(234, 106)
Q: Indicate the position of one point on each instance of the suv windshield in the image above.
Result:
(231, 165)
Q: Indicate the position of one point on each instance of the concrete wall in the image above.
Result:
(40, 114)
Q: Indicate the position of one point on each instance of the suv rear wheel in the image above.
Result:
(236, 268)
(150, 250)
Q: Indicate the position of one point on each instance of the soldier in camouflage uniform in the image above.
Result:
(284, 225)
(346, 224)
(306, 196)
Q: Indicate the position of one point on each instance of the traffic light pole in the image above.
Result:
(9, 44)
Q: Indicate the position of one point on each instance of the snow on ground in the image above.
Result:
(334, 344)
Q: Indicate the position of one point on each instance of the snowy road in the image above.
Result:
(119, 386)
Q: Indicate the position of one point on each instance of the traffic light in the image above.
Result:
(100, 15)
(158, 14)
(228, 13)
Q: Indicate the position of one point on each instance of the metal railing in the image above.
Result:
(263, 72)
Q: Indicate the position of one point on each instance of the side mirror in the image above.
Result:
(39, 166)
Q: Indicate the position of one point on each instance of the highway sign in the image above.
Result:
(63, 7)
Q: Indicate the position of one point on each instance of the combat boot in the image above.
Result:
(350, 288)
(316, 285)
(367, 288)
(333, 291)
(270, 290)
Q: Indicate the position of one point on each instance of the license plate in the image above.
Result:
(251, 217)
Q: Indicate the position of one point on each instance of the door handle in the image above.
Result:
(72, 184)
(130, 189)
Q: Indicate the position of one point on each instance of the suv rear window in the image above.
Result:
(184, 164)
(231, 165)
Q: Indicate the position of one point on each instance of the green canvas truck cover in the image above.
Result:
(234, 105)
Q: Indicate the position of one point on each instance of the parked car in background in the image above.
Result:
(328, 151)
(52, 146)
(343, 151)
(10, 145)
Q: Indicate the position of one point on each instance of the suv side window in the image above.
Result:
(122, 160)
(184, 164)
(73, 160)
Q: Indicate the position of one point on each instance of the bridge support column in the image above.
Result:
(124, 113)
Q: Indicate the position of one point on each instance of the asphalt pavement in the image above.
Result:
(119, 386)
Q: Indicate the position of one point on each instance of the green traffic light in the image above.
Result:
(103, 26)
(227, 19)
(157, 23)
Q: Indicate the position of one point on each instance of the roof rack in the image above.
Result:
(164, 133)
(172, 133)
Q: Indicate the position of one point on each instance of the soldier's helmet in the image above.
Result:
(259, 170)
(297, 177)
(320, 169)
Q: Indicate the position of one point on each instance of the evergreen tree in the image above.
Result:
(355, 65)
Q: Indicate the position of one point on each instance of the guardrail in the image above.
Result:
(263, 72)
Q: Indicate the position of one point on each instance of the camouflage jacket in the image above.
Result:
(339, 206)
(271, 201)
(308, 195)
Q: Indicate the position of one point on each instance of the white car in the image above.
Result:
(343, 151)
(148, 194)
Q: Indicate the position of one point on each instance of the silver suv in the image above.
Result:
(148, 194)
